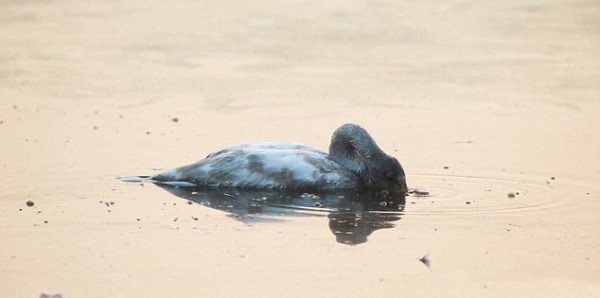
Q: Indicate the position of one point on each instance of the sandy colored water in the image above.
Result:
(477, 100)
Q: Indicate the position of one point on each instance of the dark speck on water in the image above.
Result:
(53, 295)
(175, 119)
(426, 260)
(30, 203)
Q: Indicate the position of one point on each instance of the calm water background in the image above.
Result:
(477, 100)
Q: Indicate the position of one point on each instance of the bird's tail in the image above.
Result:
(135, 178)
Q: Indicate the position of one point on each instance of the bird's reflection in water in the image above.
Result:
(353, 215)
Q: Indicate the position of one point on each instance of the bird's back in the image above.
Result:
(264, 165)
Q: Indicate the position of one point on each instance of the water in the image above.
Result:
(492, 109)
(354, 215)
(474, 195)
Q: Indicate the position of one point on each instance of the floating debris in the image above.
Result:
(51, 295)
(511, 195)
(30, 203)
(420, 190)
(426, 260)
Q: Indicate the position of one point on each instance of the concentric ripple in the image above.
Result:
(450, 194)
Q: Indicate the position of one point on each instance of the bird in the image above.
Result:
(354, 161)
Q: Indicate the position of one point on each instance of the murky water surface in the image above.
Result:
(492, 109)
(354, 215)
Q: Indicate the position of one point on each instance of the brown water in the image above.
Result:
(491, 106)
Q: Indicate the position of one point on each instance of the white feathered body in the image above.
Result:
(264, 165)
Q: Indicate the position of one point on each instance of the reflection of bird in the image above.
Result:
(353, 215)
(355, 227)
(354, 162)
(426, 260)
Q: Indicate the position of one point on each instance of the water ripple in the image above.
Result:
(477, 195)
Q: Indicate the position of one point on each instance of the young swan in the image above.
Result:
(354, 162)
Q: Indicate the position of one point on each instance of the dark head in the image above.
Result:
(353, 147)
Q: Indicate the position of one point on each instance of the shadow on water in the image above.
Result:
(353, 215)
